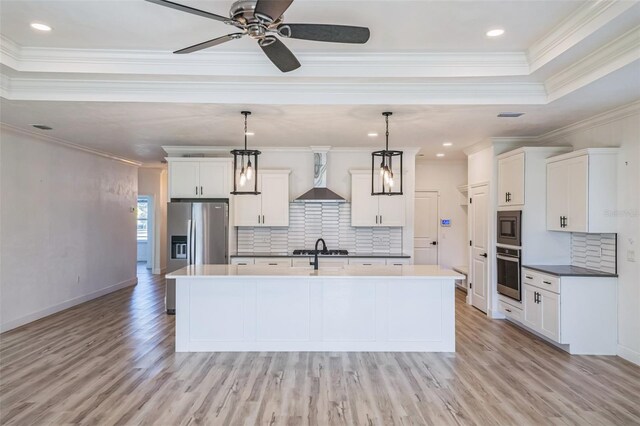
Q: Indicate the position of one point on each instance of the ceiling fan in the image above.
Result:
(262, 20)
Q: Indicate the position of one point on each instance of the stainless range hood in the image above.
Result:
(320, 193)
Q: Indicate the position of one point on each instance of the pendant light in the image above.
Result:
(386, 168)
(245, 180)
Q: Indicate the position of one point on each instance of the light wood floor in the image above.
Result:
(111, 361)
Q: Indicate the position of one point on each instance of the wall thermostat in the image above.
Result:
(445, 222)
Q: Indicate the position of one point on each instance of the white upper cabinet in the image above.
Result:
(374, 210)
(270, 207)
(511, 180)
(581, 191)
(202, 178)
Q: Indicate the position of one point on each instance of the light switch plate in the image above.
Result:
(631, 255)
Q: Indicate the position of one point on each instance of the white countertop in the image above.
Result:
(352, 271)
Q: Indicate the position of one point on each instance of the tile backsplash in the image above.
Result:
(310, 221)
(594, 251)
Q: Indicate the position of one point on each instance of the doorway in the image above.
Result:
(425, 240)
(479, 224)
(144, 231)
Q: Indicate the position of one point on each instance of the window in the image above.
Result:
(143, 219)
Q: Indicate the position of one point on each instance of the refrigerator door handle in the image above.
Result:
(189, 250)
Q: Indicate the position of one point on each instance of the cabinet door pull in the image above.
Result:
(376, 219)
(201, 192)
(507, 309)
(273, 264)
(196, 190)
(547, 282)
(380, 219)
(258, 218)
(506, 197)
(263, 219)
(529, 277)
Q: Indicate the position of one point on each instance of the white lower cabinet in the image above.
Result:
(542, 311)
(579, 312)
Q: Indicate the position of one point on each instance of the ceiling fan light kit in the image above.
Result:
(245, 173)
(262, 21)
(386, 168)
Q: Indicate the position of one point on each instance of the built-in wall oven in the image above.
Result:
(510, 227)
(508, 267)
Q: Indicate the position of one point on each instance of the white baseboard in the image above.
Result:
(65, 305)
(159, 271)
(629, 354)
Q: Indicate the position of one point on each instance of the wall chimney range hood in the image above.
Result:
(320, 193)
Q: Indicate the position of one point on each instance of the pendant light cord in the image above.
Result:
(245, 129)
(386, 118)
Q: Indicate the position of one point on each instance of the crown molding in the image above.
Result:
(575, 28)
(276, 92)
(254, 64)
(67, 144)
(605, 118)
(182, 151)
(607, 59)
(9, 52)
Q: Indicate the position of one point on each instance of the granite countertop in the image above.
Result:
(350, 255)
(239, 271)
(569, 271)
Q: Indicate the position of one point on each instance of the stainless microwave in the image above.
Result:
(510, 228)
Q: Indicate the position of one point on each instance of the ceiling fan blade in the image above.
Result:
(188, 9)
(272, 8)
(210, 43)
(323, 32)
(279, 54)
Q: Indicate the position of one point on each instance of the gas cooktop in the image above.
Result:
(322, 252)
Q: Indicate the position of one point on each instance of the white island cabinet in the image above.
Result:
(349, 308)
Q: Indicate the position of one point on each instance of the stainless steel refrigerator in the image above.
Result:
(197, 234)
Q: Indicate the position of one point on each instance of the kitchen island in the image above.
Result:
(352, 308)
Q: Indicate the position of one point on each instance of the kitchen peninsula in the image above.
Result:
(350, 308)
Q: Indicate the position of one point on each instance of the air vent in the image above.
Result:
(42, 127)
(510, 114)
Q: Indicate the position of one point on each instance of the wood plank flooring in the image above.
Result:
(112, 361)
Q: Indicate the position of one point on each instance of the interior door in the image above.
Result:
(557, 194)
(425, 239)
(479, 247)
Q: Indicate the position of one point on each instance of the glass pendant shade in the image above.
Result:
(245, 167)
(386, 168)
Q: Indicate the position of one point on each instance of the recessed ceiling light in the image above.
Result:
(447, 144)
(372, 134)
(249, 133)
(40, 27)
(510, 114)
(42, 127)
(496, 32)
(440, 155)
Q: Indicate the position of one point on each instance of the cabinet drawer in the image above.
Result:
(543, 281)
(367, 261)
(510, 311)
(242, 261)
(273, 261)
(398, 261)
